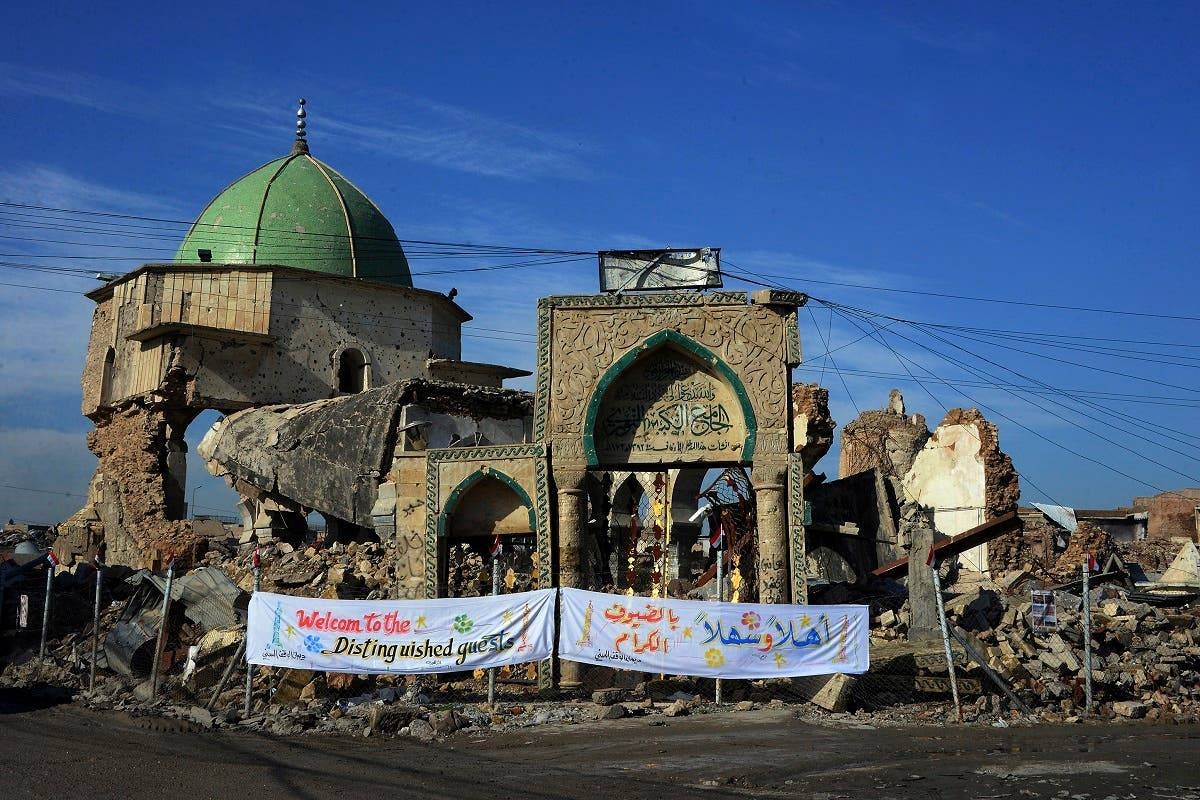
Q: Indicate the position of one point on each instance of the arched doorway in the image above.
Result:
(487, 504)
(352, 368)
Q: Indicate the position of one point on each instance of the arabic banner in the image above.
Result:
(400, 636)
(715, 640)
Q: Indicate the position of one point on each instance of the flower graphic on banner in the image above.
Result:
(750, 619)
(313, 644)
(714, 657)
(463, 623)
(780, 661)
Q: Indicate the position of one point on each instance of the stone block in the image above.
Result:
(1130, 709)
(834, 694)
(607, 697)
(616, 711)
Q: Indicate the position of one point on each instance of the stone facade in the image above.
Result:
(169, 341)
(1172, 514)
(661, 381)
(812, 426)
(964, 478)
(887, 440)
(249, 336)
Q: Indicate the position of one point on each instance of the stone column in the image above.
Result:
(923, 622)
(571, 529)
(175, 478)
(770, 492)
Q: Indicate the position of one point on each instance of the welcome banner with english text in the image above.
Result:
(715, 640)
(400, 636)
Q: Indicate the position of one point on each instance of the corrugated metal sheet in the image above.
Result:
(1061, 515)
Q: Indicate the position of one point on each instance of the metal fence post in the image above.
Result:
(495, 592)
(51, 563)
(257, 570)
(241, 648)
(161, 644)
(95, 627)
(937, 593)
(1087, 640)
(720, 599)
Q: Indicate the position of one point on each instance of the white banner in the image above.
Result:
(715, 640)
(400, 636)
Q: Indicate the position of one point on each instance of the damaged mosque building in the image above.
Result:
(290, 309)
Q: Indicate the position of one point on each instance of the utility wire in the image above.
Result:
(1044, 385)
(1045, 410)
(946, 295)
(945, 409)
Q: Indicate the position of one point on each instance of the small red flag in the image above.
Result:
(53, 559)
(716, 539)
(1092, 564)
(256, 559)
(496, 546)
(929, 558)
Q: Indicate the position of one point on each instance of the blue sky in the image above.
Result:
(1031, 152)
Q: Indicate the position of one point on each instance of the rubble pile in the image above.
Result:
(1087, 538)
(351, 570)
(1145, 658)
(1153, 555)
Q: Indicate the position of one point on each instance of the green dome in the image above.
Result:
(296, 211)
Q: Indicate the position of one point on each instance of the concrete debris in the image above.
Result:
(1146, 659)
(332, 455)
(812, 426)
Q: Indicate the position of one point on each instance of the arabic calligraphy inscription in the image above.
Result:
(669, 404)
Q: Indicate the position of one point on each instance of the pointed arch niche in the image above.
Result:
(669, 400)
(486, 503)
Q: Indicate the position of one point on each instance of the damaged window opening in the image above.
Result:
(106, 377)
(352, 369)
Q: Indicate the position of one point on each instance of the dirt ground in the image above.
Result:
(65, 750)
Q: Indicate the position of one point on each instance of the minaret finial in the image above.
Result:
(301, 143)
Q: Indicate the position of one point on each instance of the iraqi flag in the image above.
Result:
(716, 539)
(496, 547)
(53, 559)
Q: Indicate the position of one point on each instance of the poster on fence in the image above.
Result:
(715, 640)
(400, 636)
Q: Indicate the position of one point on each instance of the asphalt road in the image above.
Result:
(66, 751)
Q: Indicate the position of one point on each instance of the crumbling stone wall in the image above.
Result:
(130, 488)
(812, 426)
(887, 440)
(1171, 514)
(1002, 488)
(1087, 538)
(1030, 547)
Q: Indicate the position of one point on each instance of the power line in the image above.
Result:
(370, 320)
(937, 400)
(1179, 402)
(1063, 447)
(224, 226)
(833, 361)
(1047, 439)
(1061, 360)
(948, 296)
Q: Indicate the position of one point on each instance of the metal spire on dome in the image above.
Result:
(301, 143)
